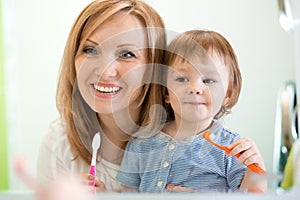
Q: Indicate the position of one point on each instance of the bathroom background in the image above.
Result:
(34, 33)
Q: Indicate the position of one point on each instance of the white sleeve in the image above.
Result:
(50, 161)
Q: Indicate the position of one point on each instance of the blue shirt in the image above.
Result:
(149, 164)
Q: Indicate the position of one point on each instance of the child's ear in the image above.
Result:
(167, 99)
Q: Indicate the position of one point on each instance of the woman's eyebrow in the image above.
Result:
(89, 40)
(130, 45)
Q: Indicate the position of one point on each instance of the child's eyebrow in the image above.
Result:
(202, 70)
(175, 73)
(179, 70)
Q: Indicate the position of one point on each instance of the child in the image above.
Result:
(203, 83)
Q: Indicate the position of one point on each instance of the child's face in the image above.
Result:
(196, 93)
(110, 67)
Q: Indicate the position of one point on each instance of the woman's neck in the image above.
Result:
(116, 131)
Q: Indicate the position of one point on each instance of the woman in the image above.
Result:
(107, 74)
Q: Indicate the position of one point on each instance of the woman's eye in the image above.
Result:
(182, 79)
(208, 81)
(90, 50)
(127, 54)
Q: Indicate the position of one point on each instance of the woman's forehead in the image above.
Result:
(120, 28)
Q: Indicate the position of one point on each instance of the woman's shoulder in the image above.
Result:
(55, 155)
(57, 126)
(56, 137)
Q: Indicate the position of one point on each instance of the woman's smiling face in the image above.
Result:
(111, 66)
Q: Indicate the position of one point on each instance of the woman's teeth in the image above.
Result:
(107, 89)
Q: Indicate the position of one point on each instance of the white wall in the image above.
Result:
(35, 34)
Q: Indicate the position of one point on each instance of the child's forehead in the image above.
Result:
(197, 66)
(186, 68)
(183, 65)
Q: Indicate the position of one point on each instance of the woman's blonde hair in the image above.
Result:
(81, 122)
(194, 45)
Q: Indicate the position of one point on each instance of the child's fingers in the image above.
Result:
(235, 143)
(245, 155)
(248, 158)
(247, 150)
(176, 188)
(240, 147)
(239, 142)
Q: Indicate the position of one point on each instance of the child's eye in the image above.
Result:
(90, 50)
(208, 81)
(182, 79)
(126, 54)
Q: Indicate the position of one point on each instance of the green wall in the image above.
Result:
(3, 141)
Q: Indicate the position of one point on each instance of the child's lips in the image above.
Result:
(195, 103)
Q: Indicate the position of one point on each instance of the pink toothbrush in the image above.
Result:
(95, 145)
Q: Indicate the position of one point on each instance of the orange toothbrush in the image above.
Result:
(254, 167)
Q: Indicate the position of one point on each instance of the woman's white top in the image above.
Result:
(55, 159)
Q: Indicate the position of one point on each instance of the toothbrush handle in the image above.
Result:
(254, 166)
(93, 172)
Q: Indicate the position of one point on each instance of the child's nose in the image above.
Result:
(196, 88)
(196, 91)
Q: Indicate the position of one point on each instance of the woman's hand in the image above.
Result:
(87, 179)
(59, 189)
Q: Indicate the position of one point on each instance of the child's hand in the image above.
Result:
(177, 188)
(248, 150)
(86, 179)
(249, 154)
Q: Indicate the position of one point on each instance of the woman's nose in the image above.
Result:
(109, 71)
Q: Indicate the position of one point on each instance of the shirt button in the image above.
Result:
(171, 147)
(159, 183)
(166, 164)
